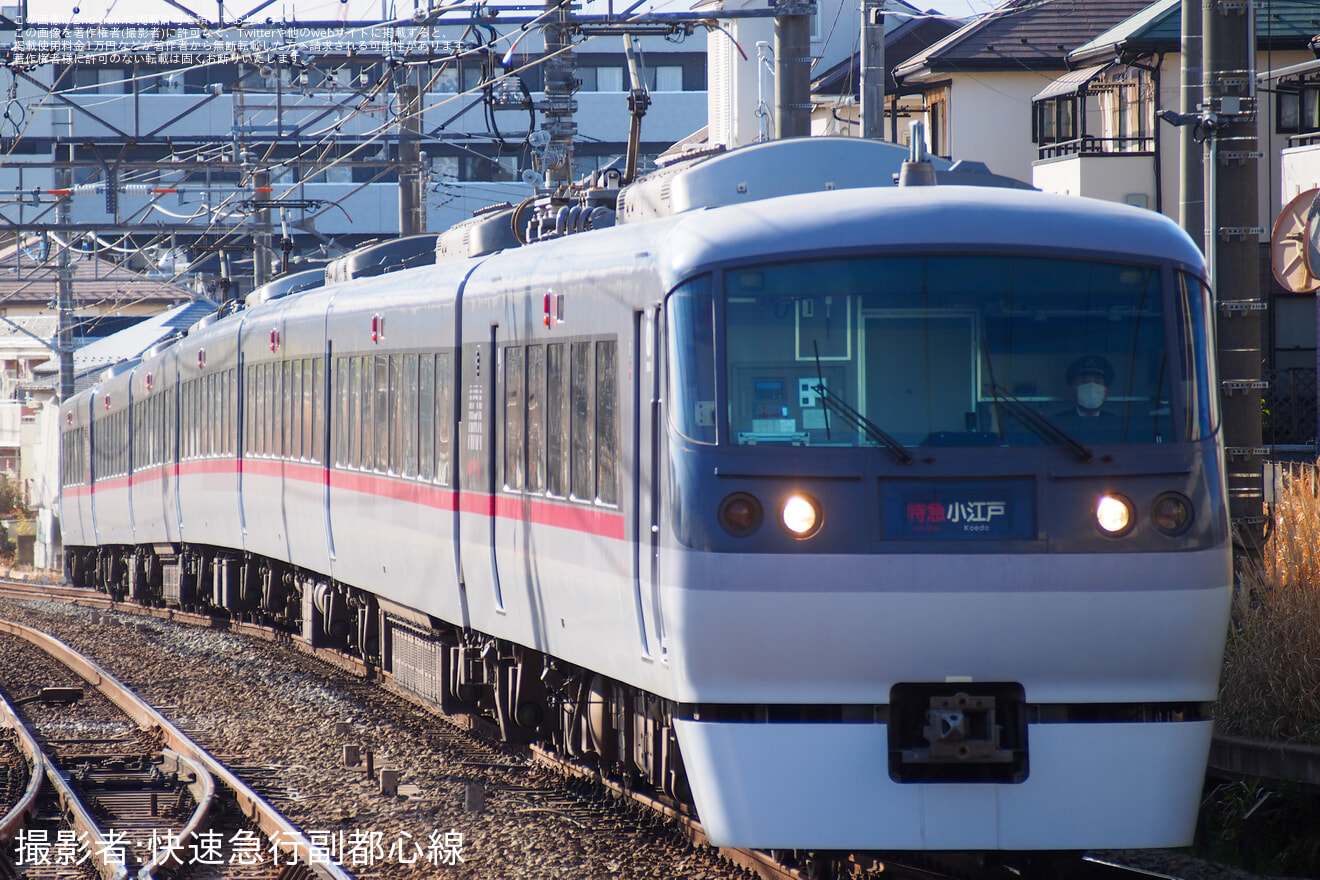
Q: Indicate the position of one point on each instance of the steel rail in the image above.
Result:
(111, 866)
(16, 818)
(271, 822)
(202, 788)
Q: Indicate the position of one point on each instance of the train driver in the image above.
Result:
(1089, 378)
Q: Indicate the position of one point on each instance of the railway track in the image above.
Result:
(132, 795)
(593, 796)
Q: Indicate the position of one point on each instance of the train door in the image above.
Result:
(95, 432)
(490, 396)
(646, 443)
(477, 476)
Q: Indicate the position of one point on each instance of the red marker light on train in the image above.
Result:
(148, 381)
(201, 358)
(107, 401)
(274, 340)
(377, 328)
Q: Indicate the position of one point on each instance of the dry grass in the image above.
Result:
(1271, 679)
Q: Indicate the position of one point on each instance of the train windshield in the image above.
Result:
(910, 351)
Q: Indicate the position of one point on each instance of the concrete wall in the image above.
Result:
(1113, 177)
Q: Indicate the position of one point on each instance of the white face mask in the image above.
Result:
(1090, 395)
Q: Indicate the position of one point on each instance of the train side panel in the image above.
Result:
(208, 437)
(112, 509)
(392, 486)
(151, 459)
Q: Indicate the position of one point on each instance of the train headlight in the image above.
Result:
(1172, 513)
(801, 516)
(741, 514)
(1113, 514)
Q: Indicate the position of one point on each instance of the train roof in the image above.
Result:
(942, 218)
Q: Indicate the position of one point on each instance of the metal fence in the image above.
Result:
(1289, 407)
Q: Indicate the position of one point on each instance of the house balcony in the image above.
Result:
(1300, 164)
(1113, 169)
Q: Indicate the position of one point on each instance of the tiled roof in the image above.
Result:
(28, 279)
(1021, 35)
(126, 345)
(1280, 25)
(902, 42)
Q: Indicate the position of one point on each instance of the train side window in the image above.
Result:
(355, 408)
(231, 412)
(444, 418)
(535, 418)
(249, 408)
(214, 406)
(343, 415)
(580, 429)
(317, 397)
(261, 410)
(382, 413)
(190, 392)
(395, 462)
(426, 417)
(607, 422)
(210, 414)
(293, 408)
(513, 418)
(288, 411)
(408, 415)
(196, 399)
(217, 405)
(366, 423)
(556, 422)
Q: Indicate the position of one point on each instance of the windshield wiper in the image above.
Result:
(1039, 424)
(841, 407)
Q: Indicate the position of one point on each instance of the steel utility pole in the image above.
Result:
(793, 67)
(261, 249)
(1191, 189)
(64, 291)
(411, 219)
(873, 69)
(1232, 239)
(559, 106)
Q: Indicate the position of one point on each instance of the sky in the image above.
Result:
(148, 11)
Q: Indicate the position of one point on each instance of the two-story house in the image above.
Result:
(977, 84)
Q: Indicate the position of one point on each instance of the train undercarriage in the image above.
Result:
(528, 696)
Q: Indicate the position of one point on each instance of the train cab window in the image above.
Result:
(941, 351)
(556, 409)
(691, 332)
(514, 448)
(581, 438)
(1195, 344)
(426, 417)
(444, 418)
(607, 426)
(535, 418)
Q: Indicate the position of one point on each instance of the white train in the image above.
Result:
(792, 505)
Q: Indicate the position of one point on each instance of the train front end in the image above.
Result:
(946, 555)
